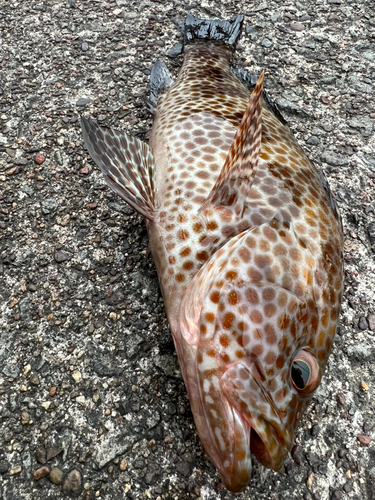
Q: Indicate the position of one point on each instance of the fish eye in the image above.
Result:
(300, 374)
(304, 373)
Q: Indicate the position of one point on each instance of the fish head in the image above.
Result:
(256, 369)
(268, 407)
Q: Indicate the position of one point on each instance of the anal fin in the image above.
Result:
(127, 165)
(236, 177)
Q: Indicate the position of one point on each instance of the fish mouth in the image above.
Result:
(269, 439)
(262, 453)
(257, 422)
(258, 441)
(266, 443)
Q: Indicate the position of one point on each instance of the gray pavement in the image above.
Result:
(92, 403)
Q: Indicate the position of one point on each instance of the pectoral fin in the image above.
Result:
(236, 177)
(127, 164)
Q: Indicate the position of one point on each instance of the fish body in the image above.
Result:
(247, 242)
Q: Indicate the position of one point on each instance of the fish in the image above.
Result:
(247, 241)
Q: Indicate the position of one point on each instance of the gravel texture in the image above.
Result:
(92, 403)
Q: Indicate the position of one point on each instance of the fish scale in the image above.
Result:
(247, 241)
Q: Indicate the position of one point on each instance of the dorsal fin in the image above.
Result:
(234, 182)
(249, 80)
(127, 164)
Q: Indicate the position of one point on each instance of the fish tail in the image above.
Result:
(223, 31)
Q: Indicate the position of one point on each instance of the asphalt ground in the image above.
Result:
(92, 403)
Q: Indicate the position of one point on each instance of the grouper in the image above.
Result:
(247, 241)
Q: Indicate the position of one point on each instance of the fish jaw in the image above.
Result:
(244, 421)
(237, 417)
(235, 464)
(244, 384)
(243, 391)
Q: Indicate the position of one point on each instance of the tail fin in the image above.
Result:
(225, 31)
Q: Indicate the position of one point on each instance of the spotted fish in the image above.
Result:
(247, 242)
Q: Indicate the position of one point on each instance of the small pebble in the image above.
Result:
(348, 487)
(53, 452)
(340, 398)
(364, 386)
(40, 455)
(77, 376)
(362, 324)
(39, 159)
(73, 481)
(34, 379)
(297, 26)
(83, 101)
(175, 51)
(368, 425)
(315, 430)
(113, 316)
(371, 322)
(123, 465)
(3, 467)
(55, 476)
(364, 440)
(42, 472)
(13, 303)
(25, 418)
(85, 46)
(52, 392)
(309, 481)
(267, 43)
(15, 470)
(312, 141)
(60, 256)
(10, 152)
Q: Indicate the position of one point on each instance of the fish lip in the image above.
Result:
(261, 451)
(269, 441)
(236, 479)
(264, 424)
(268, 434)
(256, 446)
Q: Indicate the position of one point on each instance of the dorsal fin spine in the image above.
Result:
(236, 176)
